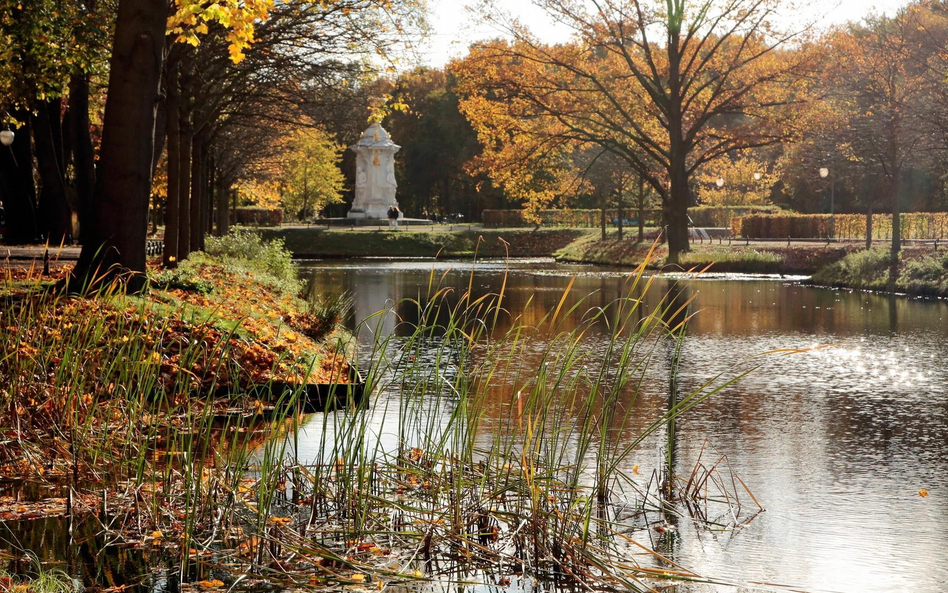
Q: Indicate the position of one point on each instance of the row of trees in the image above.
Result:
(691, 95)
(213, 93)
(648, 101)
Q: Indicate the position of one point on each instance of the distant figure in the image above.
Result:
(393, 213)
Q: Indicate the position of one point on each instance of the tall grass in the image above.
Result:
(497, 448)
(444, 480)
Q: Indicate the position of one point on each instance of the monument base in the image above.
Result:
(371, 212)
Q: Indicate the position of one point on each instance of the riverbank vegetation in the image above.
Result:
(419, 242)
(115, 402)
(913, 272)
(73, 371)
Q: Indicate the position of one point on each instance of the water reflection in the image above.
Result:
(835, 442)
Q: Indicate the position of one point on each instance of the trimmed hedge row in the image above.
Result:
(258, 216)
(914, 225)
(588, 218)
(717, 216)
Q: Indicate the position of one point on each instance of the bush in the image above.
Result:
(861, 269)
(185, 277)
(249, 250)
(927, 276)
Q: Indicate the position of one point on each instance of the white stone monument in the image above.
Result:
(375, 174)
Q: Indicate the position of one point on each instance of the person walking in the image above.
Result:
(393, 213)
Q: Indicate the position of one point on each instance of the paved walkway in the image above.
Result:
(21, 253)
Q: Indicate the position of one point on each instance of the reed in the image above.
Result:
(497, 447)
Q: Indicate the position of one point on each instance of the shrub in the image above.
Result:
(861, 269)
(248, 250)
(185, 277)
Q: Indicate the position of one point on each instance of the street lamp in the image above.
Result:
(727, 205)
(6, 137)
(824, 173)
(757, 176)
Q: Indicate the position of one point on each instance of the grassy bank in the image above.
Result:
(758, 259)
(72, 370)
(409, 242)
(914, 272)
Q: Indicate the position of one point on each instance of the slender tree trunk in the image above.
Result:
(896, 211)
(54, 212)
(16, 185)
(83, 150)
(641, 208)
(208, 196)
(197, 191)
(172, 203)
(223, 210)
(621, 212)
(120, 211)
(602, 216)
(184, 184)
(869, 227)
(161, 127)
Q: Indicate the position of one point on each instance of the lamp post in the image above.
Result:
(727, 205)
(824, 173)
(6, 138)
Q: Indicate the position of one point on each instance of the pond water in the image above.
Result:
(834, 442)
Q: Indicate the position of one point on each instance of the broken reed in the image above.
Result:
(438, 481)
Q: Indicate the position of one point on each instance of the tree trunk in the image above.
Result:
(197, 191)
(184, 184)
(675, 210)
(208, 181)
(223, 206)
(896, 211)
(172, 203)
(83, 150)
(54, 212)
(676, 204)
(161, 127)
(16, 185)
(621, 212)
(602, 216)
(869, 227)
(120, 211)
(641, 208)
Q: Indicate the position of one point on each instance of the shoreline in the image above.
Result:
(921, 271)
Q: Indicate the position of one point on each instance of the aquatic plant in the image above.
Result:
(498, 447)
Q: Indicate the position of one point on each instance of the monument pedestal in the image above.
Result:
(375, 174)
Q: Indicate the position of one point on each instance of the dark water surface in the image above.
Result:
(835, 442)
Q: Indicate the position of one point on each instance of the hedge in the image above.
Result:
(915, 225)
(717, 216)
(258, 216)
(589, 218)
